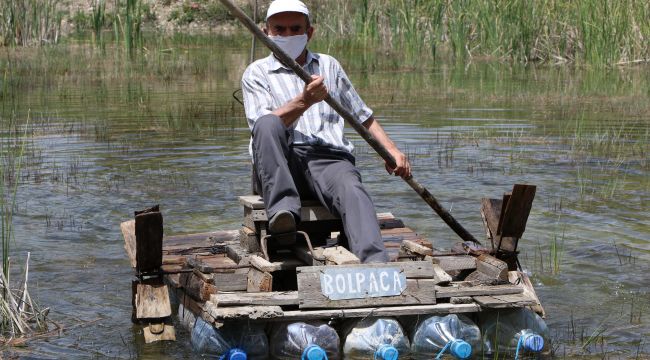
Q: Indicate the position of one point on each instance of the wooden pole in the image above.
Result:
(349, 118)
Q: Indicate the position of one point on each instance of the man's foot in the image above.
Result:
(282, 222)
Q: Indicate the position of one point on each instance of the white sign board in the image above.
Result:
(358, 283)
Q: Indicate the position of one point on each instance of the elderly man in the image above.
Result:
(297, 143)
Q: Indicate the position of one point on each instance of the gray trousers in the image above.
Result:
(286, 172)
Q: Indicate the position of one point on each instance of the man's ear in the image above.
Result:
(310, 32)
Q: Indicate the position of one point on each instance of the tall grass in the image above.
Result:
(28, 22)
(599, 32)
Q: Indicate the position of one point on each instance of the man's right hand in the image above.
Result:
(315, 91)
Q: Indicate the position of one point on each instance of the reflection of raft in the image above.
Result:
(238, 275)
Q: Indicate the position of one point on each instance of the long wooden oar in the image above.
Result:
(349, 118)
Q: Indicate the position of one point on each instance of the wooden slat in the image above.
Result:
(412, 269)
(242, 312)
(259, 281)
(189, 243)
(262, 264)
(148, 239)
(457, 262)
(128, 232)
(158, 332)
(438, 309)
(336, 255)
(411, 247)
(517, 210)
(492, 267)
(249, 240)
(504, 301)
(152, 301)
(479, 290)
(418, 291)
(258, 298)
(213, 263)
(196, 287)
(520, 278)
(235, 281)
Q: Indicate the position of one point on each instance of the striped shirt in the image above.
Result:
(267, 85)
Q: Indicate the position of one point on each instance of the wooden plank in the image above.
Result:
(520, 278)
(440, 276)
(213, 263)
(196, 287)
(418, 291)
(148, 239)
(189, 243)
(262, 264)
(237, 254)
(457, 291)
(504, 301)
(411, 247)
(303, 254)
(249, 240)
(492, 267)
(259, 298)
(457, 262)
(174, 259)
(517, 211)
(259, 281)
(128, 233)
(158, 332)
(152, 301)
(336, 255)
(412, 269)
(504, 203)
(235, 281)
(242, 312)
(438, 309)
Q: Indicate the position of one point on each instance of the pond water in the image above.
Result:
(106, 135)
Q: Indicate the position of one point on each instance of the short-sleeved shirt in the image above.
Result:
(267, 84)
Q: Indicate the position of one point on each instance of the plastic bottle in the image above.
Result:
(452, 334)
(305, 341)
(375, 338)
(516, 331)
(186, 317)
(233, 341)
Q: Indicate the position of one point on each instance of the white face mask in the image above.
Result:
(292, 45)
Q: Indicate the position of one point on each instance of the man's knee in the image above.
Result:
(269, 124)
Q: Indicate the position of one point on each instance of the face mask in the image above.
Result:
(292, 45)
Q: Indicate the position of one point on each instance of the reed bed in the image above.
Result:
(29, 22)
(597, 32)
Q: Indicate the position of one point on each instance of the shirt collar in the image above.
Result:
(275, 64)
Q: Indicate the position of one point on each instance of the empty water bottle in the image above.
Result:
(375, 338)
(233, 341)
(305, 341)
(515, 331)
(435, 336)
(186, 317)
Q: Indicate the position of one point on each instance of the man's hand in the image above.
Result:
(403, 168)
(315, 91)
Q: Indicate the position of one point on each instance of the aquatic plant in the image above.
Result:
(30, 22)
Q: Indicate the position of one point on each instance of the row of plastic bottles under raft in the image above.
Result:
(515, 333)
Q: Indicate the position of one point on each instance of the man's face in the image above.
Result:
(288, 24)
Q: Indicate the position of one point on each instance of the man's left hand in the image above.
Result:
(403, 168)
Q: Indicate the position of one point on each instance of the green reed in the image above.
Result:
(99, 21)
(599, 32)
(29, 22)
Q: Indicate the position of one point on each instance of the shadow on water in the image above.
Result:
(111, 134)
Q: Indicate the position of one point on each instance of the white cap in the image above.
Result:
(279, 6)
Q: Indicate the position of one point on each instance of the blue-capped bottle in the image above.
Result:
(513, 331)
(435, 337)
(375, 338)
(304, 340)
(233, 341)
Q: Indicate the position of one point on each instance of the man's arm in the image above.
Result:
(403, 167)
(313, 93)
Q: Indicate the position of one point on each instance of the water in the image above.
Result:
(108, 136)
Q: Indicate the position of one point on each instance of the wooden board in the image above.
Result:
(455, 290)
(455, 262)
(438, 309)
(235, 281)
(249, 240)
(148, 239)
(152, 301)
(192, 243)
(158, 332)
(411, 247)
(259, 281)
(517, 211)
(197, 287)
(419, 288)
(128, 233)
(258, 298)
(336, 255)
(504, 301)
(262, 264)
(492, 268)
(520, 278)
(242, 312)
(217, 263)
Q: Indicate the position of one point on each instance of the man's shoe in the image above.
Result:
(282, 222)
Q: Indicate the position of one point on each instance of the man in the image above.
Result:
(297, 143)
